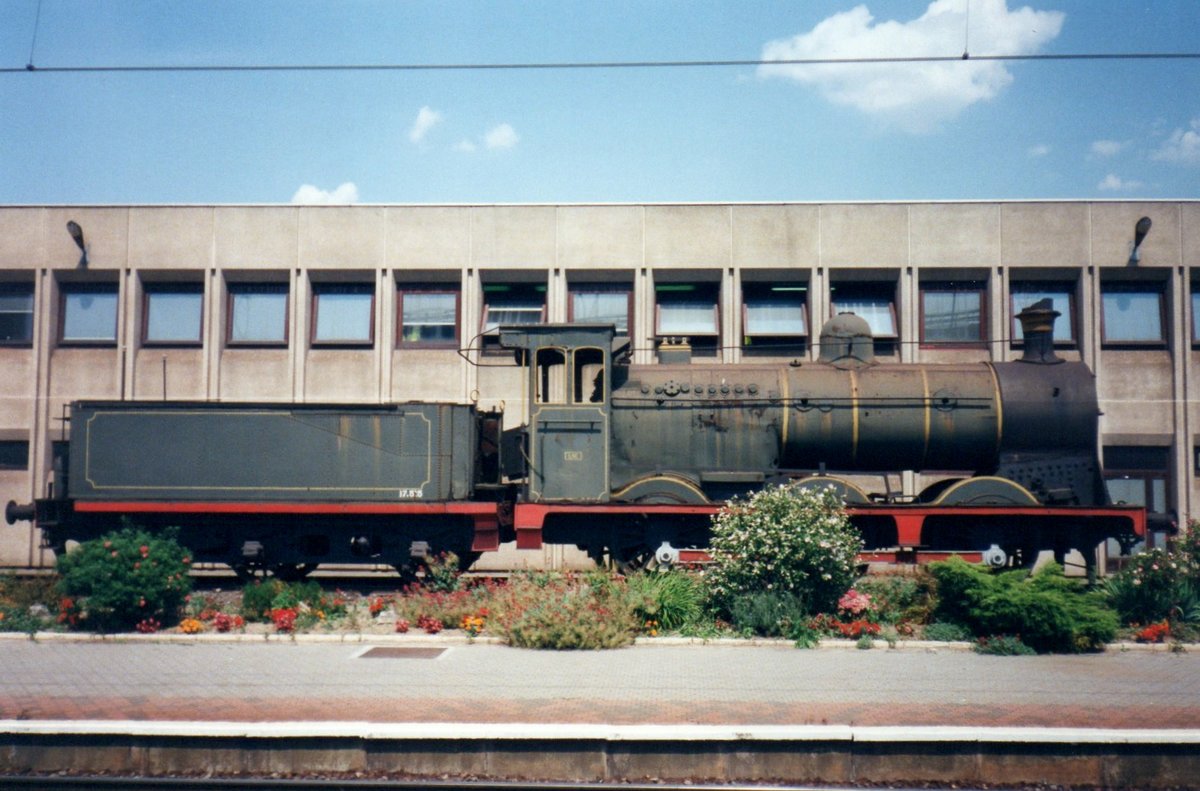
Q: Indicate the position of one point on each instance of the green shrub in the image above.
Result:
(128, 578)
(1048, 611)
(947, 632)
(1002, 645)
(672, 599)
(769, 614)
(442, 573)
(900, 598)
(783, 540)
(565, 612)
(1159, 585)
(261, 597)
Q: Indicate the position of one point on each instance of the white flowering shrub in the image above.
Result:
(796, 542)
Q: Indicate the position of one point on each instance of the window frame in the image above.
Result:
(670, 288)
(863, 291)
(1046, 287)
(977, 287)
(19, 289)
(1158, 289)
(68, 290)
(402, 290)
(323, 288)
(234, 290)
(151, 289)
(626, 289)
(515, 292)
(22, 447)
(794, 342)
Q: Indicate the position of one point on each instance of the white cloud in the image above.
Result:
(1106, 148)
(1040, 150)
(466, 146)
(916, 95)
(1114, 183)
(427, 118)
(1182, 147)
(502, 136)
(308, 195)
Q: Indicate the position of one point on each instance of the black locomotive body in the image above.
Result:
(625, 461)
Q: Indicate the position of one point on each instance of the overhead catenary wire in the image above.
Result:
(582, 65)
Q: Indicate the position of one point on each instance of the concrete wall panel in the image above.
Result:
(170, 237)
(433, 237)
(1044, 234)
(261, 237)
(687, 237)
(955, 235)
(775, 236)
(180, 379)
(603, 237)
(255, 375)
(871, 235)
(513, 237)
(341, 237)
(1113, 227)
(341, 376)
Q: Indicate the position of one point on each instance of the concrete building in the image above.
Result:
(366, 304)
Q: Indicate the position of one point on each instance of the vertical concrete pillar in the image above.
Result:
(385, 332)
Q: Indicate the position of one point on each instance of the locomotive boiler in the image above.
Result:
(628, 462)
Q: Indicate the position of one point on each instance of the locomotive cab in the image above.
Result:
(568, 386)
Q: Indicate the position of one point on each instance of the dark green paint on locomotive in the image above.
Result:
(222, 452)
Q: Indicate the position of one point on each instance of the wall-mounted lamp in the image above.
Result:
(76, 232)
(1139, 235)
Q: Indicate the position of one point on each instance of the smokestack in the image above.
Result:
(1037, 325)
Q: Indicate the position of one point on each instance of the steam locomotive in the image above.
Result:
(627, 462)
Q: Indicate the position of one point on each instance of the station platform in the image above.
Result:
(664, 709)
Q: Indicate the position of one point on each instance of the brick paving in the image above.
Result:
(766, 685)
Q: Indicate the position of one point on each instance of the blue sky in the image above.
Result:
(956, 131)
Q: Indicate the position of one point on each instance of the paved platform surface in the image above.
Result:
(649, 684)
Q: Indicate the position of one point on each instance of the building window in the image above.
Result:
(689, 310)
(775, 317)
(89, 314)
(258, 314)
(1133, 314)
(602, 304)
(508, 304)
(343, 314)
(14, 454)
(172, 315)
(16, 314)
(427, 317)
(1062, 298)
(875, 303)
(952, 313)
(1137, 475)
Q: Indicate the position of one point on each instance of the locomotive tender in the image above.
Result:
(628, 462)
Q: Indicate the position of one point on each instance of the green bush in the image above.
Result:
(565, 612)
(783, 540)
(899, 598)
(672, 599)
(1159, 585)
(124, 579)
(769, 614)
(947, 632)
(1002, 646)
(1048, 611)
(260, 597)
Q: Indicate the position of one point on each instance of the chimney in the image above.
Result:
(1037, 325)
